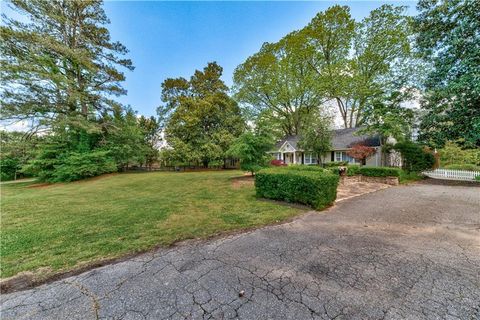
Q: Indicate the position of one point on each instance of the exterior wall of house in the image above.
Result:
(374, 160)
(298, 157)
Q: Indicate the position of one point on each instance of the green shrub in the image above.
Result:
(477, 178)
(301, 167)
(78, 166)
(415, 158)
(453, 154)
(9, 167)
(379, 172)
(353, 170)
(71, 166)
(406, 177)
(468, 167)
(335, 164)
(313, 188)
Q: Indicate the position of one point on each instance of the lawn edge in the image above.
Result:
(29, 280)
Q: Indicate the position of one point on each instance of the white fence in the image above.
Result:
(450, 174)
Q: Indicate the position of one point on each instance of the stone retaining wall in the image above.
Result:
(393, 181)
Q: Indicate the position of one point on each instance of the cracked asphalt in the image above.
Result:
(400, 253)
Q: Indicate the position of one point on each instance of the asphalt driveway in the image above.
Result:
(399, 253)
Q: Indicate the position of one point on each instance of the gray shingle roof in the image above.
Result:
(342, 139)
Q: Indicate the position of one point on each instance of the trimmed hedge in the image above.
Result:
(379, 172)
(302, 167)
(311, 187)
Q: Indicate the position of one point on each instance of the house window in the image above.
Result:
(343, 156)
(310, 158)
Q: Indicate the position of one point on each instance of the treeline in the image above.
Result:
(61, 72)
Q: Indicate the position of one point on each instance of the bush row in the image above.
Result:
(302, 167)
(369, 171)
(315, 188)
(72, 166)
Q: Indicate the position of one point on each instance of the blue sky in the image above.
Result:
(172, 39)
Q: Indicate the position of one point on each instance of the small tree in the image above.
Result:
(316, 136)
(361, 152)
(251, 149)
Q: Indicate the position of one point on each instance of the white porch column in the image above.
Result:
(294, 157)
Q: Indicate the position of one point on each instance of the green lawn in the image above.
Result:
(62, 226)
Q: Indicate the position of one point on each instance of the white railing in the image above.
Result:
(450, 174)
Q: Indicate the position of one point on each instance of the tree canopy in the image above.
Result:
(449, 38)
(60, 67)
(201, 121)
(333, 60)
(61, 72)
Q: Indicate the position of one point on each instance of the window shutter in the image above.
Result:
(333, 156)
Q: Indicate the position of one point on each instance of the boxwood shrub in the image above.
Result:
(379, 171)
(317, 189)
(302, 167)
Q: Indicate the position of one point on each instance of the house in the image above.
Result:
(288, 150)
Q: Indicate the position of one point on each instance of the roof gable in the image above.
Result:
(287, 147)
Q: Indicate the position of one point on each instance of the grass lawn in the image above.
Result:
(58, 227)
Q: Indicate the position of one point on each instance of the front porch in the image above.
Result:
(295, 157)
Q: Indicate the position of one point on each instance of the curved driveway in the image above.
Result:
(400, 253)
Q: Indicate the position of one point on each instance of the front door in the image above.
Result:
(288, 157)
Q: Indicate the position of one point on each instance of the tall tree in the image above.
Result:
(316, 136)
(360, 62)
(125, 138)
(61, 65)
(152, 137)
(201, 121)
(449, 38)
(278, 84)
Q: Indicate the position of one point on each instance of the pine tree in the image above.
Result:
(59, 69)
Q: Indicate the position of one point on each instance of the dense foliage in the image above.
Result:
(17, 148)
(316, 135)
(59, 72)
(201, 121)
(251, 149)
(415, 158)
(76, 166)
(353, 170)
(314, 188)
(364, 68)
(449, 38)
(59, 67)
(452, 154)
(301, 167)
